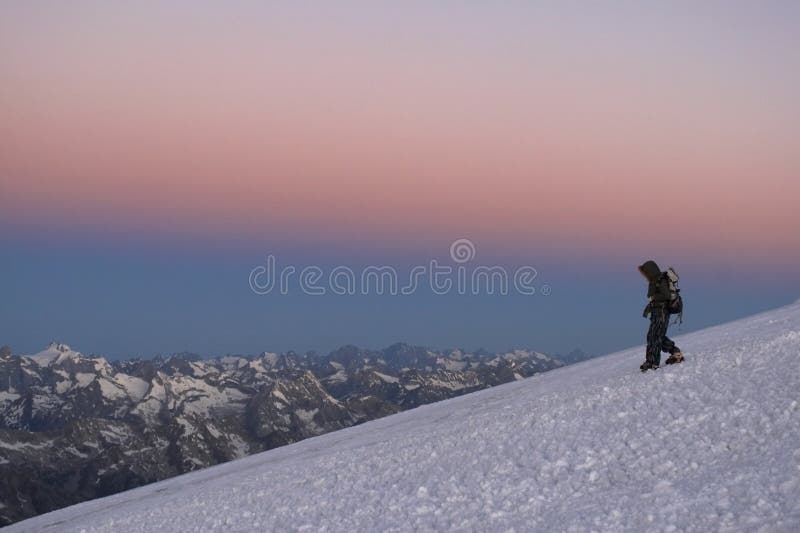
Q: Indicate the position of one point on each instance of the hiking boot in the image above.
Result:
(647, 365)
(676, 357)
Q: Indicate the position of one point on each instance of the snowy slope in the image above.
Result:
(711, 444)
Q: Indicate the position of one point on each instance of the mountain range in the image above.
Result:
(75, 427)
(710, 444)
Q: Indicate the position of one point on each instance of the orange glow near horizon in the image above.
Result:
(326, 127)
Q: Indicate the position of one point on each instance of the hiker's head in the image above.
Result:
(650, 271)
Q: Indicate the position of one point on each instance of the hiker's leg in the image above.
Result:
(662, 323)
(656, 334)
(667, 345)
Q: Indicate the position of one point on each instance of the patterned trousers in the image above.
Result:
(657, 340)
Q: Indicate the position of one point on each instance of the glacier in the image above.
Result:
(710, 444)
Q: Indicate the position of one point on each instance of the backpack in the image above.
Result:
(675, 306)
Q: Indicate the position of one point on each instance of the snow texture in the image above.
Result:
(135, 387)
(711, 444)
(53, 352)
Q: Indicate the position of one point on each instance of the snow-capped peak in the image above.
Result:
(55, 352)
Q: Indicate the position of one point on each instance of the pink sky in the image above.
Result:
(517, 126)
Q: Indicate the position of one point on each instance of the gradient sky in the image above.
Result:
(152, 153)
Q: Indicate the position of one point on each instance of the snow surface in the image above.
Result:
(386, 378)
(84, 379)
(112, 390)
(711, 444)
(6, 396)
(53, 352)
(135, 387)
